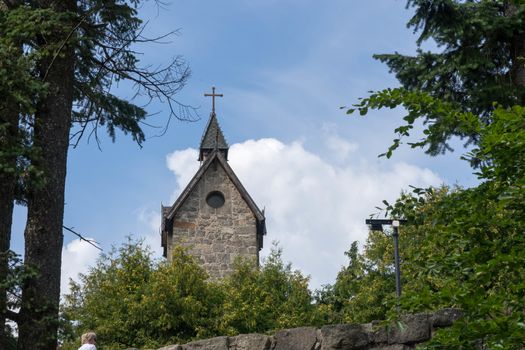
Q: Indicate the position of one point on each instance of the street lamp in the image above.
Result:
(377, 225)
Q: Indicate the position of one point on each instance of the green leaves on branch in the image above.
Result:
(364, 289)
(467, 250)
(501, 149)
(101, 33)
(441, 119)
(272, 298)
(105, 32)
(463, 248)
(20, 90)
(477, 62)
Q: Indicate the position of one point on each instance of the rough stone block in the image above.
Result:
(392, 347)
(169, 347)
(218, 343)
(376, 332)
(343, 337)
(250, 342)
(445, 317)
(303, 338)
(412, 329)
(218, 247)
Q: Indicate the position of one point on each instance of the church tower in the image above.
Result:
(214, 217)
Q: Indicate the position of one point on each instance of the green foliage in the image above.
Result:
(472, 66)
(109, 297)
(181, 304)
(501, 150)
(442, 119)
(364, 290)
(17, 275)
(467, 250)
(270, 298)
(475, 65)
(19, 89)
(131, 301)
(58, 63)
(101, 33)
(18, 84)
(105, 32)
(464, 248)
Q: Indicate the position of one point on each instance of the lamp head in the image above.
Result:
(376, 227)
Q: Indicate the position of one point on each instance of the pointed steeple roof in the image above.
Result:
(213, 138)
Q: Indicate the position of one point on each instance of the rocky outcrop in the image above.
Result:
(404, 335)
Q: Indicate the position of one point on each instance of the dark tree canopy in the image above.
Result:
(59, 62)
(106, 33)
(463, 248)
(479, 60)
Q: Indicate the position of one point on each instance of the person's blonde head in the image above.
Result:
(88, 338)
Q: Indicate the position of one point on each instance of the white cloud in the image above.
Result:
(315, 207)
(149, 221)
(77, 256)
(338, 146)
(184, 164)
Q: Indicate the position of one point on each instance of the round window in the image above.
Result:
(215, 199)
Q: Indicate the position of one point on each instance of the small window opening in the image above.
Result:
(215, 199)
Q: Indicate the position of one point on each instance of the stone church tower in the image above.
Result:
(214, 217)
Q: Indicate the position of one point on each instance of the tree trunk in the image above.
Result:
(8, 140)
(518, 60)
(43, 234)
(7, 197)
(517, 47)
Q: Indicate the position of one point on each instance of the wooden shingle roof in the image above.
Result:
(213, 138)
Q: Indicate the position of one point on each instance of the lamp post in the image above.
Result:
(395, 235)
(377, 225)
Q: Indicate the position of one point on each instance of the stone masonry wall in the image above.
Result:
(416, 329)
(215, 236)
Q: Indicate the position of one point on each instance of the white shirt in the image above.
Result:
(88, 347)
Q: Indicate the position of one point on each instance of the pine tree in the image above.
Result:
(479, 60)
(465, 247)
(67, 52)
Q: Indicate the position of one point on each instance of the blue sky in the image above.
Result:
(284, 67)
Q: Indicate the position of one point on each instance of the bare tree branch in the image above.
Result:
(71, 32)
(90, 241)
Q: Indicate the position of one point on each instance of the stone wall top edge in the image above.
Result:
(418, 328)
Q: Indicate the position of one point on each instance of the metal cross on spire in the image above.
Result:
(213, 94)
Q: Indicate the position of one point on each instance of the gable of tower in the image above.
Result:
(215, 218)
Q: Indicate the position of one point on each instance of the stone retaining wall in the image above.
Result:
(415, 329)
